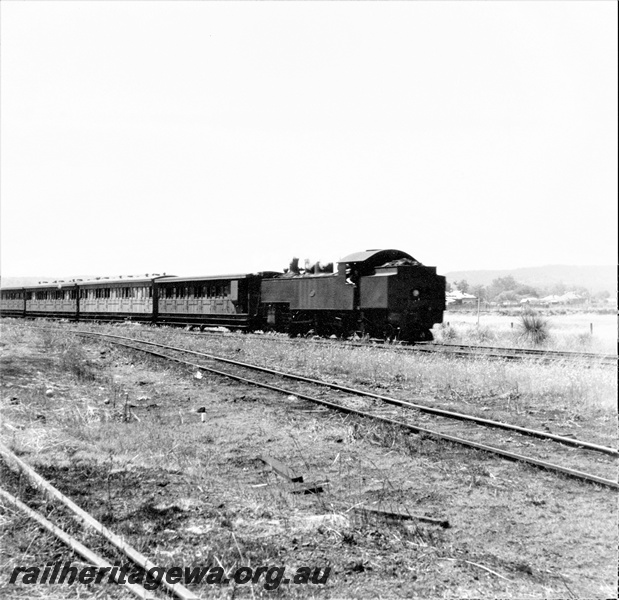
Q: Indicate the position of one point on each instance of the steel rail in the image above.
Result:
(75, 545)
(435, 434)
(532, 351)
(514, 353)
(459, 349)
(80, 514)
(387, 399)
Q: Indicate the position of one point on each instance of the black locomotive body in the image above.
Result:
(381, 293)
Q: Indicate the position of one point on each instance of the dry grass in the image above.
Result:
(575, 332)
(127, 444)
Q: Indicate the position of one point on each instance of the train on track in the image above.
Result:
(385, 294)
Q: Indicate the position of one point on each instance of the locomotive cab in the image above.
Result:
(398, 297)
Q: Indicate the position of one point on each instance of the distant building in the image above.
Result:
(457, 298)
(567, 298)
(530, 300)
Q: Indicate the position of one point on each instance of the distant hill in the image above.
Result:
(596, 278)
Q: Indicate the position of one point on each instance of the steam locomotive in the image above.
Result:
(380, 293)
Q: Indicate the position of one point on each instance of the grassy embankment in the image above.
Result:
(121, 435)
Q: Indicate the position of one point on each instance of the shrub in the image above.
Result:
(447, 333)
(534, 327)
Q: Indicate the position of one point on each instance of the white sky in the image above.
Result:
(217, 137)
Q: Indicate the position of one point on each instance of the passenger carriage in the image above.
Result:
(13, 302)
(222, 300)
(123, 298)
(54, 300)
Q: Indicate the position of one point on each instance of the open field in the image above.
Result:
(570, 331)
(119, 433)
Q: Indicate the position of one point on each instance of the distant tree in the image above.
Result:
(462, 285)
(558, 289)
(526, 290)
(501, 284)
(507, 296)
(448, 287)
(479, 291)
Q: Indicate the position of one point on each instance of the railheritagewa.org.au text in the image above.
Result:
(269, 577)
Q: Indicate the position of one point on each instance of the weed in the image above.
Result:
(534, 327)
(447, 333)
(482, 334)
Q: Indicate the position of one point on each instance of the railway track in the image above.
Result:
(518, 353)
(115, 545)
(577, 459)
(459, 350)
(455, 350)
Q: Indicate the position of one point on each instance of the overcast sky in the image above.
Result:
(219, 137)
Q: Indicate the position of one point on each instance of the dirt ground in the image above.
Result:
(169, 460)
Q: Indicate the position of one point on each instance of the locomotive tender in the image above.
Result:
(381, 293)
